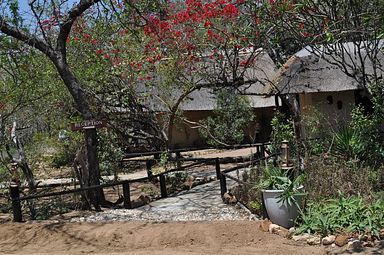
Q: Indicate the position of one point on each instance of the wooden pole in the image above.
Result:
(218, 173)
(149, 164)
(16, 205)
(127, 196)
(163, 188)
(258, 152)
(223, 184)
(178, 162)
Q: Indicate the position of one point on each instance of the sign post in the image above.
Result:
(88, 124)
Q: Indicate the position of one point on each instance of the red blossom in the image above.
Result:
(243, 63)
(230, 10)
(207, 23)
(210, 34)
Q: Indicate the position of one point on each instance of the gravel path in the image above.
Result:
(201, 203)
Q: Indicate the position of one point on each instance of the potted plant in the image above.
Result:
(281, 195)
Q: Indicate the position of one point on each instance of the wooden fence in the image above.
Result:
(221, 175)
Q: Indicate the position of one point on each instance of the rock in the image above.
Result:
(363, 238)
(253, 217)
(355, 245)
(378, 243)
(283, 232)
(190, 182)
(264, 225)
(273, 228)
(291, 232)
(301, 238)
(229, 199)
(341, 240)
(333, 245)
(328, 240)
(314, 240)
(368, 244)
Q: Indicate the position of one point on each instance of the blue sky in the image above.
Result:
(26, 11)
(24, 7)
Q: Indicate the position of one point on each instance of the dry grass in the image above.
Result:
(328, 177)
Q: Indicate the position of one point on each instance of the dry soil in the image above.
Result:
(218, 237)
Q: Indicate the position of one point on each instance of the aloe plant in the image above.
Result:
(278, 179)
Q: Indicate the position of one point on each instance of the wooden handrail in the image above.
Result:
(151, 153)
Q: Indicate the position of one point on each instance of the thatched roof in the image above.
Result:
(204, 98)
(306, 72)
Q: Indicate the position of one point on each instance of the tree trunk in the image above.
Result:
(171, 124)
(90, 175)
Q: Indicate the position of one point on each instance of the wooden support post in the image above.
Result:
(149, 164)
(218, 172)
(262, 150)
(127, 196)
(264, 213)
(16, 205)
(258, 151)
(223, 184)
(178, 162)
(163, 187)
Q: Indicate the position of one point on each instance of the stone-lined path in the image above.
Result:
(201, 203)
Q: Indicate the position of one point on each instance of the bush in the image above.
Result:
(316, 131)
(343, 215)
(233, 114)
(282, 129)
(328, 176)
(175, 181)
(109, 152)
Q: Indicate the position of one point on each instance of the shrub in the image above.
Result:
(175, 181)
(282, 129)
(109, 151)
(328, 176)
(233, 114)
(316, 131)
(343, 215)
(349, 144)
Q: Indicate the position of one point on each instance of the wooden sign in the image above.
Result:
(88, 124)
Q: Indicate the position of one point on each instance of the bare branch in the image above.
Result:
(65, 27)
(25, 37)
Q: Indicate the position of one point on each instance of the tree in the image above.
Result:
(347, 34)
(22, 71)
(49, 35)
(232, 115)
(197, 44)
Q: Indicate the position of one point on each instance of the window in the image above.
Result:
(339, 105)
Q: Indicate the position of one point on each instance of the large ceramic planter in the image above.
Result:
(280, 213)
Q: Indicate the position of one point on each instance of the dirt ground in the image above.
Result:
(219, 237)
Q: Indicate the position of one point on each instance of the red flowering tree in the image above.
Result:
(197, 44)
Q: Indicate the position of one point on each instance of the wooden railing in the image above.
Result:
(221, 175)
